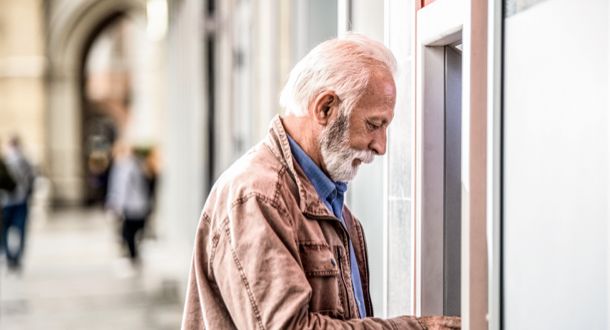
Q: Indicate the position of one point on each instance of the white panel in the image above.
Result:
(494, 128)
(398, 222)
(608, 176)
(265, 79)
(316, 21)
(243, 81)
(148, 90)
(367, 17)
(556, 166)
(183, 184)
(439, 21)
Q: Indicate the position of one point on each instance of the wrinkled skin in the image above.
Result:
(436, 322)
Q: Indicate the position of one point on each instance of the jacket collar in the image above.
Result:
(278, 144)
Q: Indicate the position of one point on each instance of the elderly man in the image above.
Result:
(276, 247)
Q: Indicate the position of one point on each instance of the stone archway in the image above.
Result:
(72, 25)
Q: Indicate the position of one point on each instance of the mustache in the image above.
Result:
(366, 156)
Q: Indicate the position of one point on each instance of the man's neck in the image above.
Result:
(301, 131)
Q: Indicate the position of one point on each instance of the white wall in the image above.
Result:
(556, 166)
(148, 97)
(267, 55)
(314, 21)
(185, 167)
(399, 263)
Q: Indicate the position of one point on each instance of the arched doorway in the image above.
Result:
(72, 28)
(122, 97)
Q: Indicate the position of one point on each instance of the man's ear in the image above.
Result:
(325, 107)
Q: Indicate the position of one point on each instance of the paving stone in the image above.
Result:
(75, 277)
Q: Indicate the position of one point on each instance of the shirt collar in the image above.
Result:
(326, 188)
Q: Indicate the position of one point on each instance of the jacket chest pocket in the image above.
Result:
(322, 270)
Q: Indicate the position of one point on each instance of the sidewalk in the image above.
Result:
(73, 278)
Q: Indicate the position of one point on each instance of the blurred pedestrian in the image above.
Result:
(15, 203)
(130, 194)
(7, 184)
(6, 180)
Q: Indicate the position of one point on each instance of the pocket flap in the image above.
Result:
(318, 260)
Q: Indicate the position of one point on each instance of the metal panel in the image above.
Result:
(441, 189)
(433, 181)
(453, 184)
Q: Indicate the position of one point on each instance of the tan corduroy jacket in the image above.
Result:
(270, 255)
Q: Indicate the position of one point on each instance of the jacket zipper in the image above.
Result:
(368, 279)
(343, 281)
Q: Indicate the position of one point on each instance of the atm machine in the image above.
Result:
(439, 170)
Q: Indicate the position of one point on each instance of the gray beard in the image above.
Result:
(336, 153)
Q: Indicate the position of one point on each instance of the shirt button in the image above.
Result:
(332, 261)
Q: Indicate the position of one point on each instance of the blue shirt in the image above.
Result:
(332, 194)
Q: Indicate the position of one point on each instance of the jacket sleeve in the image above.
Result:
(261, 282)
(6, 181)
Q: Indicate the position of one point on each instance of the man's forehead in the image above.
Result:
(389, 88)
(382, 82)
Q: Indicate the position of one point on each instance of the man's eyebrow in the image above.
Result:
(376, 118)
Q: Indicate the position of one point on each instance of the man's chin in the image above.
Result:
(346, 176)
(352, 174)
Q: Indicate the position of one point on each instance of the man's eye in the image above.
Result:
(372, 127)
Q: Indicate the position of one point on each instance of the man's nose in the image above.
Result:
(378, 144)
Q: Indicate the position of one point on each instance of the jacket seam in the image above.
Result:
(206, 217)
(278, 187)
(278, 157)
(312, 243)
(247, 197)
(215, 240)
(281, 207)
(423, 326)
(272, 150)
(393, 324)
(243, 276)
(321, 273)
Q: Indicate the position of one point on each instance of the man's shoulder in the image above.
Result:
(254, 174)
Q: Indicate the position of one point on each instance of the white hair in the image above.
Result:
(341, 65)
